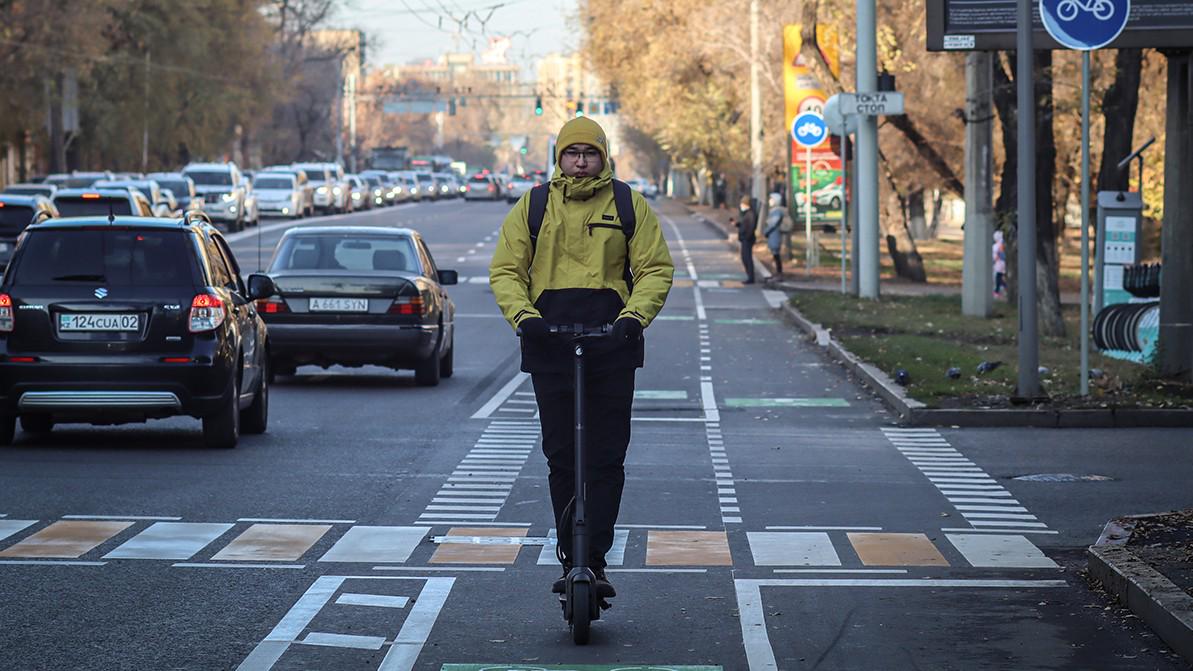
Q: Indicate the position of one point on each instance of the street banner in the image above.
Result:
(804, 93)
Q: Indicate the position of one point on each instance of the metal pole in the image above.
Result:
(1029, 380)
(808, 211)
(844, 204)
(867, 153)
(1085, 223)
(145, 127)
(757, 188)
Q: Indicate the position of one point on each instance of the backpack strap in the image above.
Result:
(623, 200)
(534, 216)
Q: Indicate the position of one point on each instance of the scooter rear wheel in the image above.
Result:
(581, 614)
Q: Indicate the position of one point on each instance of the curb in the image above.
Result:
(1163, 606)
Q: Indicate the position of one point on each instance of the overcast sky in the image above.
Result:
(408, 30)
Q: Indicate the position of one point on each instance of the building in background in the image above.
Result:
(567, 87)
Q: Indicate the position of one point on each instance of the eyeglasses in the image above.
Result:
(587, 155)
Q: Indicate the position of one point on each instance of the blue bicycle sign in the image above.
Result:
(1084, 24)
(808, 129)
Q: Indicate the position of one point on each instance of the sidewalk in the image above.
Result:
(828, 277)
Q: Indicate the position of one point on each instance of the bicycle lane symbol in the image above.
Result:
(1084, 24)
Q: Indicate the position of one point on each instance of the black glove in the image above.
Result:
(533, 328)
(627, 329)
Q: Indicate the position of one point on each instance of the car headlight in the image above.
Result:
(355, 196)
(229, 197)
(337, 191)
(321, 190)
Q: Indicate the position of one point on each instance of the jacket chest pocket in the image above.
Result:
(606, 241)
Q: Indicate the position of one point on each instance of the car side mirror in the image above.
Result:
(448, 277)
(261, 286)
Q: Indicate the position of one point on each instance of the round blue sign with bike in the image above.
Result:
(1084, 24)
(809, 129)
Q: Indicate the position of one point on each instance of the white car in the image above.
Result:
(331, 194)
(278, 194)
(219, 186)
(518, 185)
(644, 187)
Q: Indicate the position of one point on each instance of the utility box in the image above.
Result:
(1120, 214)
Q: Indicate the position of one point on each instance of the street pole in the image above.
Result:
(977, 268)
(1029, 380)
(808, 241)
(145, 120)
(867, 153)
(844, 204)
(352, 122)
(1085, 222)
(756, 189)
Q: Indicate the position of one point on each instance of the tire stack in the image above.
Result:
(1116, 327)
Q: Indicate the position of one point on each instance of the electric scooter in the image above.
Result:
(580, 601)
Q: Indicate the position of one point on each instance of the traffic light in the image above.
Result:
(522, 151)
(579, 108)
(538, 106)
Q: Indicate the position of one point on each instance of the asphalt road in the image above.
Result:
(774, 516)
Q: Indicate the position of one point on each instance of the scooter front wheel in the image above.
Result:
(581, 613)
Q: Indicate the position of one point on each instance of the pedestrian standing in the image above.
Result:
(774, 231)
(746, 235)
(586, 264)
(998, 253)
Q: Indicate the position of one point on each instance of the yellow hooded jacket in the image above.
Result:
(575, 272)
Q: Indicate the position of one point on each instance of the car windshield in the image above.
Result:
(77, 206)
(14, 217)
(478, 178)
(119, 257)
(355, 253)
(179, 187)
(273, 183)
(424, 177)
(210, 178)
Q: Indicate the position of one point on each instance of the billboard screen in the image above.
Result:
(986, 25)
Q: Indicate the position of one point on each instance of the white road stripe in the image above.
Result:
(501, 395)
(343, 641)
(1008, 509)
(374, 600)
(964, 499)
(169, 540)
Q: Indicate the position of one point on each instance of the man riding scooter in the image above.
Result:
(583, 250)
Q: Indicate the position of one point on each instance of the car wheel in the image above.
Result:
(427, 372)
(255, 418)
(37, 423)
(8, 429)
(835, 203)
(447, 363)
(221, 429)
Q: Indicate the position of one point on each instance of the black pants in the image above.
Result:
(747, 259)
(608, 398)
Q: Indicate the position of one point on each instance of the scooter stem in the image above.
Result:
(579, 518)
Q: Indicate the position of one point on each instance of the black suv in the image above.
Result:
(108, 320)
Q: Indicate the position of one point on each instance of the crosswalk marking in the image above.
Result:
(784, 548)
(10, 527)
(372, 600)
(273, 542)
(460, 553)
(169, 540)
(343, 641)
(688, 548)
(894, 549)
(378, 545)
(1009, 551)
(66, 539)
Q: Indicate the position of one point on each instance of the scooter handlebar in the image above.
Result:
(577, 330)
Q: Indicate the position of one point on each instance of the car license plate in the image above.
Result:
(98, 322)
(339, 305)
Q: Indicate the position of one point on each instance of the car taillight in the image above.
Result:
(492, 188)
(408, 305)
(272, 306)
(207, 313)
(5, 313)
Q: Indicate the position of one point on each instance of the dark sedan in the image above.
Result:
(355, 296)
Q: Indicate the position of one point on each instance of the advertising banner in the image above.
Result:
(986, 25)
(804, 93)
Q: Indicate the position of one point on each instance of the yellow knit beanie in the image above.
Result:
(582, 130)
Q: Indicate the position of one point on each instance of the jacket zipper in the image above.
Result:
(592, 226)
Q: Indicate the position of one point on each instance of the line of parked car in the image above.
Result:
(231, 197)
